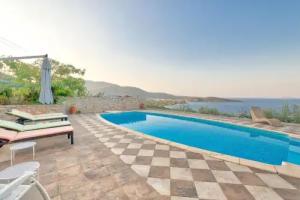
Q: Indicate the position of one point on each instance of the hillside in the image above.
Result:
(109, 89)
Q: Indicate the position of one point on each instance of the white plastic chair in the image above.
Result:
(18, 190)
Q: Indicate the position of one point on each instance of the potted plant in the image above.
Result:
(72, 109)
(142, 106)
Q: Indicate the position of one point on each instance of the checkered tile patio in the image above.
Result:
(184, 175)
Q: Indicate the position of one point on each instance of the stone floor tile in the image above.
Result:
(292, 180)
(117, 140)
(192, 155)
(117, 151)
(236, 192)
(134, 146)
(110, 144)
(159, 172)
(142, 170)
(248, 178)
(217, 165)
(182, 198)
(162, 147)
(237, 168)
(125, 141)
(160, 161)
(177, 154)
(289, 194)
(181, 173)
(161, 185)
(121, 145)
(126, 176)
(52, 189)
(203, 175)
(70, 171)
(128, 159)
(130, 152)
(145, 152)
(179, 162)
(139, 190)
(183, 188)
(140, 141)
(48, 178)
(148, 146)
(174, 148)
(256, 170)
(263, 193)
(143, 160)
(225, 177)
(71, 183)
(94, 174)
(161, 153)
(197, 164)
(66, 162)
(116, 194)
(208, 190)
(207, 157)
(149, 142)
(275, 181)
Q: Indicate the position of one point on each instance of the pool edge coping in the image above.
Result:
(286, 168)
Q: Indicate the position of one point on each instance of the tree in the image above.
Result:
(67, 80)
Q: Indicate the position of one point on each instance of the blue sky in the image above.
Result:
(193, 31)
(228, 48)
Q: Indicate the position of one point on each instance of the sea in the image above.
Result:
(242, 106)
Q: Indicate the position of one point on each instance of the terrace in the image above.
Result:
(109, 163)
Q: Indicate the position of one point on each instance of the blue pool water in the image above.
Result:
(244, 142)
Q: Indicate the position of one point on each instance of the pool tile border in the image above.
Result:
(284, 169)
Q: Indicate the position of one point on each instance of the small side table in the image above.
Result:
(20, 146)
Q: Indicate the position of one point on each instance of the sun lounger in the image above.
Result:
(258, 116)
(11, 136)
(25, 116)
(20, 127)
(23, 188)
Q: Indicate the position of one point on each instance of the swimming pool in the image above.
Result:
(234, 140)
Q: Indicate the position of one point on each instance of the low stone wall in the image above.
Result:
(33, 109)
(101, 104)
(84, 105)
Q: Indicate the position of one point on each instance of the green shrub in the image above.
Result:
(32, 94)
(296, 112)
(286, 114)
(23, 86)
(207, 110)
(4, 100)
(185, 108)
(269, 113)
(244, 115)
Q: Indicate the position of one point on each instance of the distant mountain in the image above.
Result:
(109, 89)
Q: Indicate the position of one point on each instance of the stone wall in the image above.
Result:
(84, 105)
(101, 104)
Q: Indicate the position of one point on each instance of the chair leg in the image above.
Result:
(68, 135)
(72, 139)
(11, 157)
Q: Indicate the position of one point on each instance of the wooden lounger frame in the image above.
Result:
(70, 135)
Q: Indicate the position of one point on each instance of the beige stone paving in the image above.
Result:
(108, 163)
(187, 175)
(85, 170)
